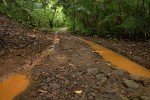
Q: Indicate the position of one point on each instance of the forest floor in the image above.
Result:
(61, 67)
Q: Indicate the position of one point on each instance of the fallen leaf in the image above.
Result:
(78, 91)
(42, 91)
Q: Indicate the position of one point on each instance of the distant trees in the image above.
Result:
(110, 18)
(34, 12)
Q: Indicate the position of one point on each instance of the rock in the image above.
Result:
(67, 82)
(35, 77)
(92, 71)
(110, 91)
(118, 72)
(130, 84)
(99, 97)
(45, 87)
(90, 97)
(101, 79)
(100, 76)
(135, 99)
(48, 79)
(49, 96)
(33, 94)
(144, 98)
(71, 65)
(135, 78)
(146, 83)
(55, 86)
(79, 74)
(112, 97)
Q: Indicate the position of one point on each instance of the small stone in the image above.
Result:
(118, 72)
(99, 97)
(33, 94)
(45, 87)
(103, 80)
(92, 71)
(67, 82)
(135, 99)
(48, 79)
(144, 98)
(130, 84)
(35, 77)
(100, 76)
(110, 91)
(146, 83)
(112, 97)
(49, 96)
(71, 65)
(108, 74)
(135, 78)
(55, 86)
(90, 97)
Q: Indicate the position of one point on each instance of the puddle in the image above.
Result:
(18, 83)
(119, 61)
(13, 86)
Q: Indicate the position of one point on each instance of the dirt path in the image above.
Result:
(61, 67)
(74, 72)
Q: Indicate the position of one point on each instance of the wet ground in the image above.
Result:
(137, 51)
(118, 61)
(59, 66)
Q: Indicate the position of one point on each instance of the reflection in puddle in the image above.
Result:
(13, 86)
(119, 61)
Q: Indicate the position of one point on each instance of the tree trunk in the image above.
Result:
(137, 8)
(149, 8)
(54, 14)
(143, 7)
(74, 17)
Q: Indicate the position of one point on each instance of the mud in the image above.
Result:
(61, 67)
(136, 51)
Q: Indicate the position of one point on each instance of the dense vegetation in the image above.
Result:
(109, 18)
(37, 13)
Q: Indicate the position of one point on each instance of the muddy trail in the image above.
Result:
(137, 51)
(38, 65)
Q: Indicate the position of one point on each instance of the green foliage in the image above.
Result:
(115, 18)
(109, 18)
(37, 13)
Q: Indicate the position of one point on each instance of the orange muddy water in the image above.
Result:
(13, 86)
(119, 61)
(18, 83)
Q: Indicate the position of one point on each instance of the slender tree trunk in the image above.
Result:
(149, 8)
(54, 15)
(143, 7)
(52, 20)
(137, 7)
(74, 17)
